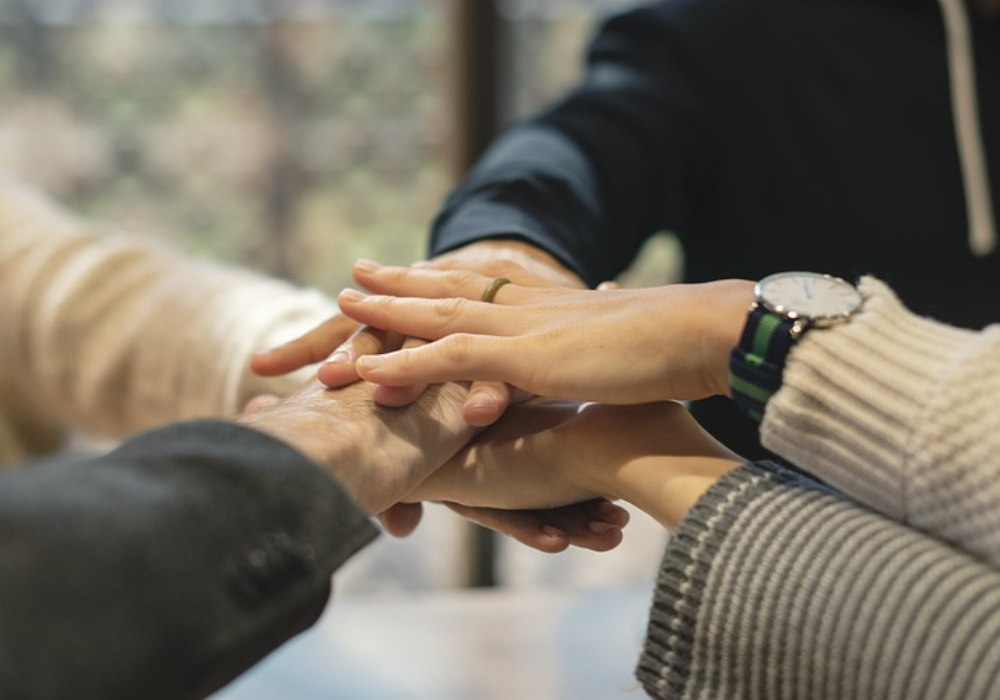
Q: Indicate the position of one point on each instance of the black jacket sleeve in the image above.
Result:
(592, 178)
(166, 567)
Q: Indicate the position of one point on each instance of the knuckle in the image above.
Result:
(397, 274)
(457, 349)
(505, 268)
(460, 279)
(451, 308)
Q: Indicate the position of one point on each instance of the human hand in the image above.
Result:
(340, 341)
(549, 453)
(626, 346)
(596, 524)
(380, 454)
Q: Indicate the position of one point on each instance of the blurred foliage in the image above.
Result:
(294, 136)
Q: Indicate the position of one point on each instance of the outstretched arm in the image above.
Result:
(208, 543)
(620, 345)
(338, 342)
(113, 333)
(546, 454)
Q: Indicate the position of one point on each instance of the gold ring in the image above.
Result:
(492, 288)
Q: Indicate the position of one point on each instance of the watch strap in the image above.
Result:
(757, 364)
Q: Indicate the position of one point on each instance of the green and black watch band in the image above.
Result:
(786, 305)
(757, 364)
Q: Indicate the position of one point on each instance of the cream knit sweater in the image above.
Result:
(778, 587)
(903, 414)
(109, 334)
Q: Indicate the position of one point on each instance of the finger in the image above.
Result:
(397, 396)
(455, 358)
(313, 346)
(595, 525)
(432, 319)
(603, 286)
(402, 519)
(486, 402)
(491, 269)
(338, 369)
(443, 278)
(527, 527)
(433, 283)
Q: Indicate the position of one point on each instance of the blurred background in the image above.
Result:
(296, 136)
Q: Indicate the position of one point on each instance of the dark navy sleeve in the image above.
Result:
(591, 179)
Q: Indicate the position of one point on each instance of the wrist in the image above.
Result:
(666, 463)
(667, 487)
(727, 305)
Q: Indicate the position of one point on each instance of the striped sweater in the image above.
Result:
(880, 578)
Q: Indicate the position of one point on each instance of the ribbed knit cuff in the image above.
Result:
(852, 394)
(664, 668)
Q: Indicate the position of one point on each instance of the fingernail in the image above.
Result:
(600, 528)
(482, 401)
(371, 361)
(366, 265)
(339, 357)
(553, 531)
(351, 295)
(608, 508)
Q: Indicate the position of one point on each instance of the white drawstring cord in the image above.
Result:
(965, 108)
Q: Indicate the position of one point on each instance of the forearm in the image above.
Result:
(900, 413)
(112, 333)
(773, 570)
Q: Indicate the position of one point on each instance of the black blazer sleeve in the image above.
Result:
(166, 567)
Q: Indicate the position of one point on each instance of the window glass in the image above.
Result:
(294, 136)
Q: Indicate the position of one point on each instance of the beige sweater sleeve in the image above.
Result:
(110, 333)
(901, 413)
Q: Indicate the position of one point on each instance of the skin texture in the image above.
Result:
(381, 454)
(627, 346)
(663, 479)
(547, 453)
(338, 342)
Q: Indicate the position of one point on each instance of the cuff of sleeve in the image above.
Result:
(664, 668)
(284, 481)
(852, 393)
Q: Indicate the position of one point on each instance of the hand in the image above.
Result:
(618, 346)
(550, 453)
(340, 341)
(596, 524)
(380, 454)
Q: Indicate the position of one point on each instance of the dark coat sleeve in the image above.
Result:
(166, 567)
(593, 177)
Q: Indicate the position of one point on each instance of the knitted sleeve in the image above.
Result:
(777, 588)
(901, 413)
(112, 333)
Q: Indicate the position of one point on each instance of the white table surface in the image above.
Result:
(492, 644)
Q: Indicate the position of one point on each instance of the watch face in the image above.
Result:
(808, 295)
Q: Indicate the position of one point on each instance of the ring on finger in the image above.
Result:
(492, 288)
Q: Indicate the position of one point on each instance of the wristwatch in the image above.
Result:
(787, 305)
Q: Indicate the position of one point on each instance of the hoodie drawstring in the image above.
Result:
(965, 110)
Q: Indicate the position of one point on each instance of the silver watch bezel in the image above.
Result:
(846, 307)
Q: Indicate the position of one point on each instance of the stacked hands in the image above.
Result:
(551, 401)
